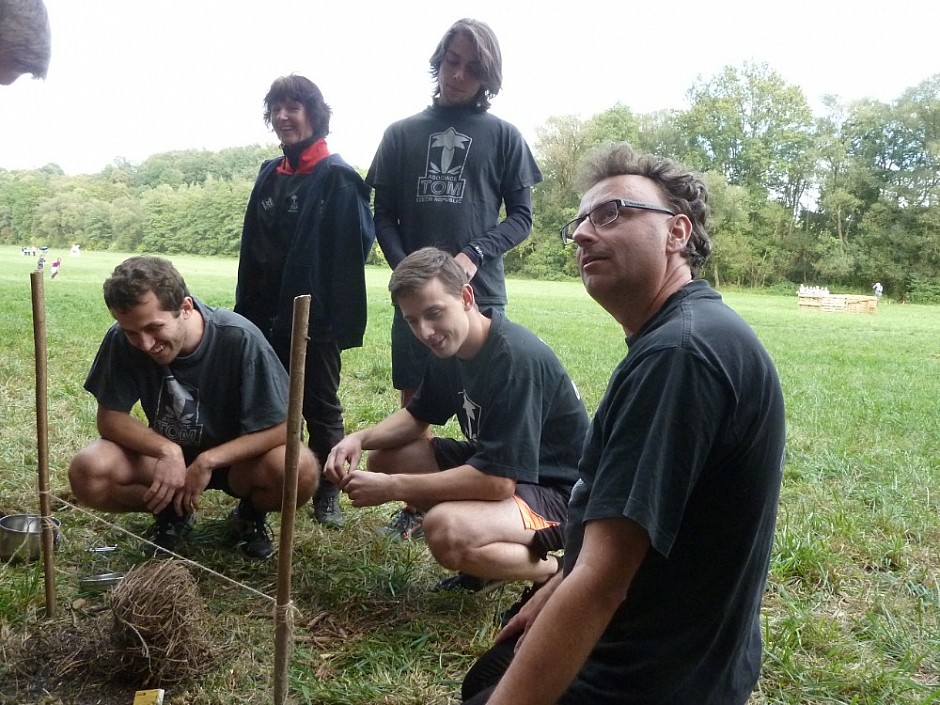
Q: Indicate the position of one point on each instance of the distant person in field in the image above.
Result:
(56, 263)
(215, 398)
(877, 289)
(496, 501)
(25, 44)
(308, 230)
(441, 178)
(671, 522)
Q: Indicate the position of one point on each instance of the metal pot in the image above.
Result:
(20, 536)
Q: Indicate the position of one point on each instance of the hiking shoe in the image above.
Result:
(405, 525)
(324, 509)
(168, 530)
(252, 536)
(464, 582)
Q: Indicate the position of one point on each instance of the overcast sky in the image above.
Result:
(130, 78)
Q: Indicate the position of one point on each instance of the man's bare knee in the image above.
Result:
(377, 460)
(446, 537)
(389, 460)
(262, 479)
(89, 475)
(416, 456)
(78, 479)
(308, 477)
(446, 553)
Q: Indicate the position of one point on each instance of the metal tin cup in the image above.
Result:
(20, 536)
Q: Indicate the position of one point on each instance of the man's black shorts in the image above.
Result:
(543, 509)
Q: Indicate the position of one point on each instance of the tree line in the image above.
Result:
(843, 199)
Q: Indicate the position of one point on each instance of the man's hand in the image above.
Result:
(530, 610)
(466, 264)
(198, 475)
(344, 458)
(169, 475)
(367, 489)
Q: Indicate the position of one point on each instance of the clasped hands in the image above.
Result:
(175, 483)
(364, 488)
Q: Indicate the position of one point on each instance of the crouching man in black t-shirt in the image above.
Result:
(671, 521)
(496, 501)
(215, 397)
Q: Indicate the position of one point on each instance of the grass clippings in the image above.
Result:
(155, 634)
(160, 627)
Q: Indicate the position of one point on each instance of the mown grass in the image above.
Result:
(852, 612)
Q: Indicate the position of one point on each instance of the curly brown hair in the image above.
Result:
(684, 191)
(135, 277)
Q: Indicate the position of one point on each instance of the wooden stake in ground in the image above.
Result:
(42, 439)
(283, 617)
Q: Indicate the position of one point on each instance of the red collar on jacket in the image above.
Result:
(308, 159)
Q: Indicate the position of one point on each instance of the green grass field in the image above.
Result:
(852, 612)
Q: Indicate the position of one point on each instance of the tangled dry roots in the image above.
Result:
(159, 633)
(156, 634)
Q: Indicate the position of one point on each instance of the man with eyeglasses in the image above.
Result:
(671, 522)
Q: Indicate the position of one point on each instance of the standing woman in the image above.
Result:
(308, 230)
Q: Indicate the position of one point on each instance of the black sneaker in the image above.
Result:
(464, 582)
(406, 524)
(169, 530)
(252, 536)
(324, 508)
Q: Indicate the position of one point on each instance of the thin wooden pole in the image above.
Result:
(283, 617)
(42, 439)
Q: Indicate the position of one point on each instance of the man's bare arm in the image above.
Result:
(424, 490)
(576, 615)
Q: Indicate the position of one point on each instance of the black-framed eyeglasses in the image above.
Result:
(605, 214)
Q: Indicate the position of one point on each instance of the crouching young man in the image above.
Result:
(215, 396)
(496, 501)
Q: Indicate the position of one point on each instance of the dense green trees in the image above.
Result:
(880, 191)
(191, 201)
(843, 199)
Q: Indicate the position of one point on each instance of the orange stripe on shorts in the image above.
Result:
(530, 518)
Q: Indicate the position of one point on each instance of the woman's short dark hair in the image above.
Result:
(135, 277)
(305, 92)
(490, 72)
(684, 191)
(417, 270)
